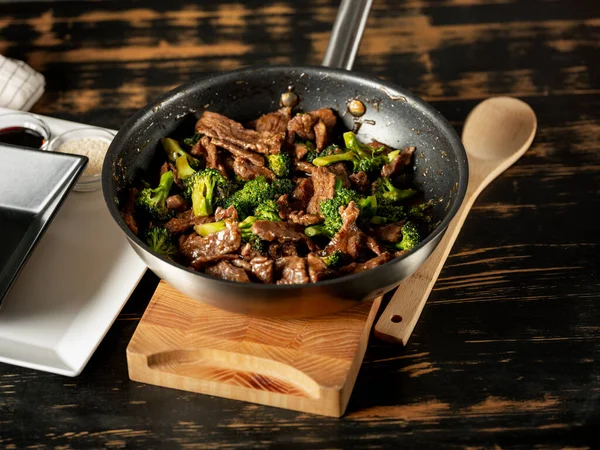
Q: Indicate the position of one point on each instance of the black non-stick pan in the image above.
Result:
(393, 116)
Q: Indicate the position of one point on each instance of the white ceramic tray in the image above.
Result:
(72, 288)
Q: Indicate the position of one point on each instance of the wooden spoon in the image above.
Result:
(497, 132)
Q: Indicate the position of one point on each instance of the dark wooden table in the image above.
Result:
(507, 350)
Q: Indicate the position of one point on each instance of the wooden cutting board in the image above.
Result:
(305, 365)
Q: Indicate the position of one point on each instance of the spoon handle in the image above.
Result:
(399, 318)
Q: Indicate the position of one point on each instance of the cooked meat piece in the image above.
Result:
(277, 231)
(274, 250)
(198, 149)
(226, 271)
(223, 128)
(288, 249)
(402, 161)
(220, 243)
(305, 219)
(324, 186)
(291, 270)
(212, 155)
(347, 239)
(304, 166)
(371, 243)
(169, 166)
(391, 232)
(262, 268)
(341, 172)
(303, 192)
(229, 213)
(236, 151)
(283, 203)
(321, 135)
(317, 269)
(275, 122)
(304, 124)
(300, 151)
(176, 202)
(129, 209)
(360, 182)
(249, 252)
(246, 170)
(184, 221)
(242, 263)
(164, 168)
(376, 145)
(372, 263)
(201, 262)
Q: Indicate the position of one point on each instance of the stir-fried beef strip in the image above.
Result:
(261, 235)
(184, 221)
(212, 155)
(176, 202)
(246, 170)
(224, 129)
(229, 213)
(324, 187)
(275, 122)
(262, 268)
(226, 271)
(360, 182)
(220, 243)
(291, 270)
(401, 162)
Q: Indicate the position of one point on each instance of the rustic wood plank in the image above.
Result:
(506, 351)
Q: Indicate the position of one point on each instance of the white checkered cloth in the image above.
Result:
(20, 85)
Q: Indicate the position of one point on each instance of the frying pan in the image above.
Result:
(393, 116)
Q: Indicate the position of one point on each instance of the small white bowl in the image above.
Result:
(90, 180)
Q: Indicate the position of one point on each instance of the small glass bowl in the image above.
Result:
(26, 120)
(91, 179)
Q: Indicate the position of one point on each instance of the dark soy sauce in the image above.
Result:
(25, 137)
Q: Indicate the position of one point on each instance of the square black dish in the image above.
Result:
(33, 186)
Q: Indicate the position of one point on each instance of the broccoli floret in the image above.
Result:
(410, 237)
(184, 170)
(318, 230)
(392, 155)
(267, 211)
(280, 164)
(160, 241)
(362, 156)
(386, 192)
(252, 194)
(388, 213)
(205, 229)
(205, 188)
(153, 201)
(174, 150)
(281, 187)
(192, 140)
(368, 206)
(248, 236)
(334, 259)
(422, 212)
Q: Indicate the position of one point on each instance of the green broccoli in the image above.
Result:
(248, 236)
(205, 188)
(281, 187)
(386, 192)
(280, 164)
(205, 229)
(392, 155)
(267, 211)
(319, 230)
(362, 156)
(422, 212)
(368, 206)
(192, 140)
(160, 241)
(184, 170)
(153, 201)
(174, 150)
(410, 237)
(334, 259)
(388, 213)
(311, 153)
(252, 194)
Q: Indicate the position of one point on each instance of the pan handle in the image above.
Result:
(346, 34)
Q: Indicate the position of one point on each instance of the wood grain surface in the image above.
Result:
(507, 350)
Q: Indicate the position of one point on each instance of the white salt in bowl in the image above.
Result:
(92, 142)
